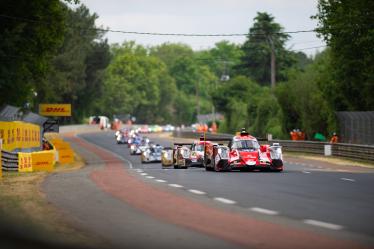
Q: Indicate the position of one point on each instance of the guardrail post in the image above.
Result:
(328, 151)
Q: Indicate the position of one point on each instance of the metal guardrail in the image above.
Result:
(9, 160)
(351, 151)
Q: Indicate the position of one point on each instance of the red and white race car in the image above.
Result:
(247, 154)
(197, 152)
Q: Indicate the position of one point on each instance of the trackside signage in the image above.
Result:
(55, 110)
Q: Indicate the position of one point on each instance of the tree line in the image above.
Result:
(55, 53)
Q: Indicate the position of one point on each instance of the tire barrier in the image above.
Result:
(350, 151)
(9, 161)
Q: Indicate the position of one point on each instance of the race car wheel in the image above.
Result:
(215, 167)
(277, 170)
(176, 167)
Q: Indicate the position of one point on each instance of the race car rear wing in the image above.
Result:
(181, 144)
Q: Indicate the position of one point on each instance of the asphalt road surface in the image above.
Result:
(326, 201)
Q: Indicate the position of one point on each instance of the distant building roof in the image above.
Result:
(10, 113)
(34, 118)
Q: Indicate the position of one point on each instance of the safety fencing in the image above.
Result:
(351, 151)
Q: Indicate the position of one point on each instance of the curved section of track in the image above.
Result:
(303, 207)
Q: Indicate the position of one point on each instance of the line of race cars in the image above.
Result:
(242, 152)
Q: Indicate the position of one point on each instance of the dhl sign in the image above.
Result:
(57, 110)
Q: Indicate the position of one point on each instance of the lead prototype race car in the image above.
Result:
(247, 154)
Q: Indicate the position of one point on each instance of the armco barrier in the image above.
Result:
(351, 151)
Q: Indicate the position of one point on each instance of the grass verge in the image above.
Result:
(26, 209)
(331, 159)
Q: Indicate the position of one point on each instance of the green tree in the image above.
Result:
(347, 28)
(31, 32)
(221, 59)
(138, 84)
(77, 69)
(302, 100)
(170, 53)
(246, 104)
(255, 63)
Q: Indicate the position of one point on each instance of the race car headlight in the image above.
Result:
(132, 146)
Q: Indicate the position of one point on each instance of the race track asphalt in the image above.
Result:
(309, 196)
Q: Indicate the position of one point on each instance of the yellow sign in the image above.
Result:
(19, 135)
(56, 110)
(43, 160)
(24, 162)
(1, 167)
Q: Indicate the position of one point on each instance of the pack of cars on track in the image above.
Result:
(241, 152)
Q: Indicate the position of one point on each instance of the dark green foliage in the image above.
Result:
(348, 29)
(138, 84)
(255, 63)
(302, 101)
(31, 32)
(77, 70)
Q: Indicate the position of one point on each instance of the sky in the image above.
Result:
(203, 17)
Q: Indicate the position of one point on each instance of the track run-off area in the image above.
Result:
(311, 204)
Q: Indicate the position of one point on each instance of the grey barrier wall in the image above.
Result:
(351, 151)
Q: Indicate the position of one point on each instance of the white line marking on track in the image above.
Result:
(348, 179)
(306, 172)
(195, 191)
(175, 185)
(143, 174)
(323, 224)
(159, 180)
(139, 170)
(150, 177)
(264, 211)
(343, 170)
(224, 200)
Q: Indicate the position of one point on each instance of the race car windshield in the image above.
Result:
(246, 145)
(156, 150)
(200, 147)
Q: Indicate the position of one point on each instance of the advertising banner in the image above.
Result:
(19, 135)
(55, 110)
(24, 162)
(43, 160)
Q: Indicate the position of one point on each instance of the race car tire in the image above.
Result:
(176, 167)
(208, 168)
(215, 167)
(277, 170)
